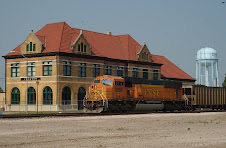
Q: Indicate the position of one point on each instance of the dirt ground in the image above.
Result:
(144, 130)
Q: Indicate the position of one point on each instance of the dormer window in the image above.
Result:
(82, 48)
(79, 47)
(34, 47)
(31, 47)
(145, 56)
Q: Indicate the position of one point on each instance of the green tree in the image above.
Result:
(1, 90)
(224, 83)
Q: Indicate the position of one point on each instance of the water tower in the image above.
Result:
(207, 67)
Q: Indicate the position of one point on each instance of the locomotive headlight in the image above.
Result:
(96, 97)
(95, 87)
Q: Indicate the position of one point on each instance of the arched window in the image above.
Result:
(31, 94)
(15, 96)
(47, 96)
(81, 95)
(66, 96)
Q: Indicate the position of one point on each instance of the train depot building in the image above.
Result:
(57, 64)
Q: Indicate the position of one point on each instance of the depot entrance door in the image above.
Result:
(81, 95)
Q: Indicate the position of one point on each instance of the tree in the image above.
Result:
(1, 90)
(224, 83)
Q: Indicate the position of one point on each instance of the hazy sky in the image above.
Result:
(176, 29)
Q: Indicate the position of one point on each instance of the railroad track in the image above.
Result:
(13, 116)
(64, 115)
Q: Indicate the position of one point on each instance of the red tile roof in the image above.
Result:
(58, 37)
(170, 70)
(130, 47)
(105, 45)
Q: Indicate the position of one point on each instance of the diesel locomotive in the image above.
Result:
(117, 94)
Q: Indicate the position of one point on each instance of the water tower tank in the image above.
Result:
(207, 67)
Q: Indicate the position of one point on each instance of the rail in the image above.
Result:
(85, 98)
(103, 97)
(186, 100)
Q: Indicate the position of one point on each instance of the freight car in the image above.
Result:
(208, 97)
(117, 94)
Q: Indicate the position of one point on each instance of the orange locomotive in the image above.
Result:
(116, 94)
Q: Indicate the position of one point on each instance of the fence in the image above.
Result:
(2, 106)
(62, 106)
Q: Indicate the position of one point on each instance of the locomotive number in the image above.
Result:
(118, 89)
(150, 92)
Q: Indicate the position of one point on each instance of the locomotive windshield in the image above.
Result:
(106, 82)
(96, 81)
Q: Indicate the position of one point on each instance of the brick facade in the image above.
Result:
(57, 82)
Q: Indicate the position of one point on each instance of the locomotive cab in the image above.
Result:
(103, 89)
(108, 87)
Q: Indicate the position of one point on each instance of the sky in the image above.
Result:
(176, 29)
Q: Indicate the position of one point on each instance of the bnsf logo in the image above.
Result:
(150, 92)
(95, 93)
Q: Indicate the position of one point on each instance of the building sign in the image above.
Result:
(29, 79)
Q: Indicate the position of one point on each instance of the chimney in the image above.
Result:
(108, 33)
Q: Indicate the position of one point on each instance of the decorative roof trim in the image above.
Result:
(177, 79)
(79, 56)
(144, 44)
(77, 39)
(122, 48)
(35, 37)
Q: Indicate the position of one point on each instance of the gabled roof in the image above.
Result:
(105, 45)
(58, 37)
(130, 47)
(170, 70)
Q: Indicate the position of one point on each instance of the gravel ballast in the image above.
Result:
(140, 130)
